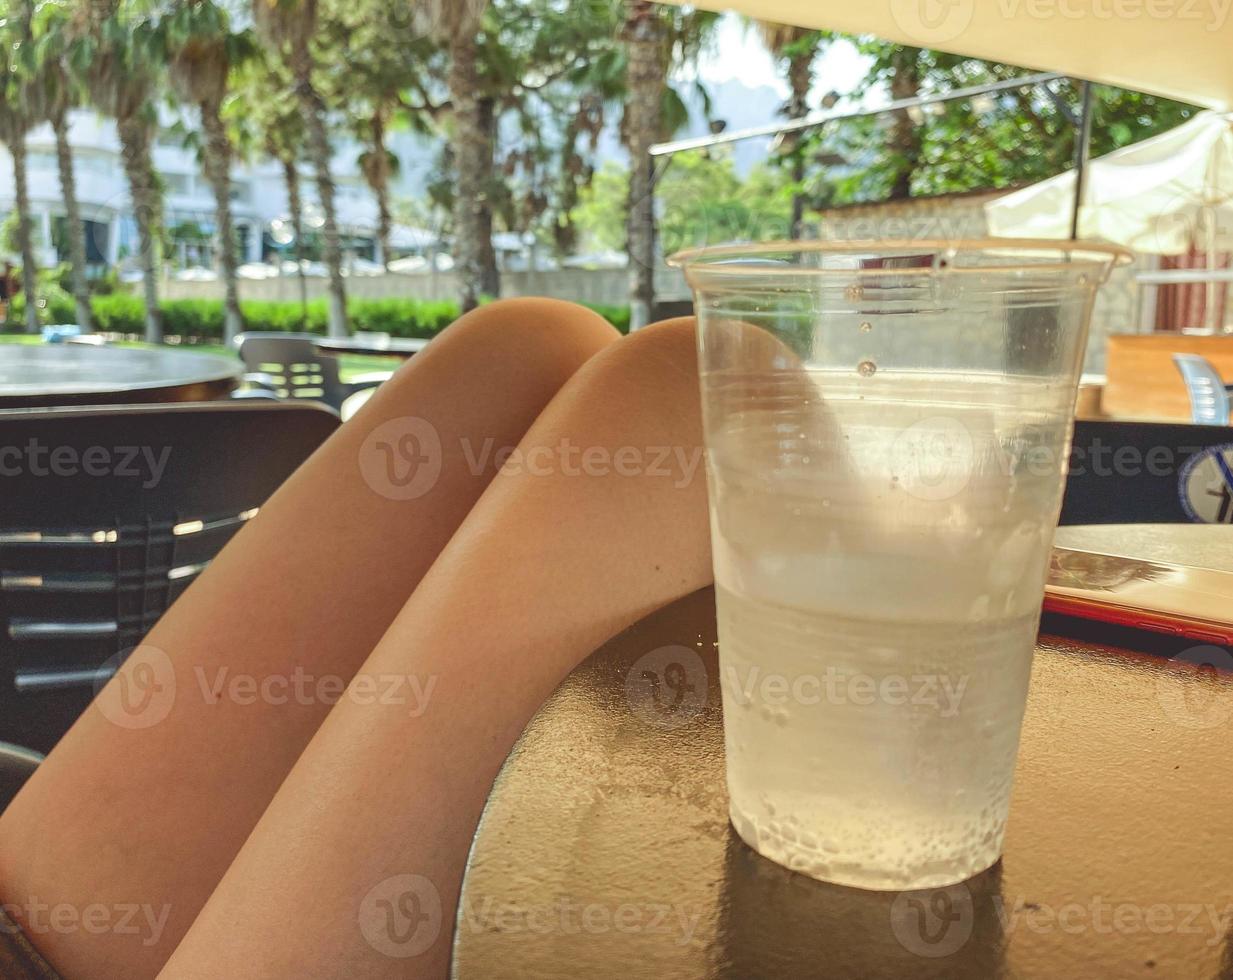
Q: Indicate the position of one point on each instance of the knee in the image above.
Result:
(646, 381)
(513, 355)
(515, 330)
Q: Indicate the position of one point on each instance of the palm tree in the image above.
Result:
(799, 48)
(645, 81)
(112, 53)
(457, 23)
(383, 62)
(201, 51)
(263, 118)
(655, 37)
(57, 93)
(15, 121)
(379, 165)
(290, 25)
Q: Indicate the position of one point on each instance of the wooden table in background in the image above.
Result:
(1143, 382)
(1118, 861)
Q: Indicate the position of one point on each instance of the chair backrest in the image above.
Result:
(1209, 399)
(17, 765)
(106, 516)
(297, 369)
(1149, 473)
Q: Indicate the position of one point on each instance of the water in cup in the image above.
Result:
(879, 559)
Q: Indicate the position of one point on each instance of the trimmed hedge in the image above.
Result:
(202, 319)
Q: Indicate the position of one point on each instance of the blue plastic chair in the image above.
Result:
(1209, 395)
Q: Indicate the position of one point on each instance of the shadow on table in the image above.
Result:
(775, 923)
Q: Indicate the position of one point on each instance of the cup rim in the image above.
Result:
(725, 260)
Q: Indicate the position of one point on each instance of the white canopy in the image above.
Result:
(1178, 48)
(1163, 196)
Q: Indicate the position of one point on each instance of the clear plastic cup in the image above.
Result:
(887, 429)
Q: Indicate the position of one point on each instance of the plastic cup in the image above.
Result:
(887, 430)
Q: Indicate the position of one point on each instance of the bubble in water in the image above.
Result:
(866, 327)
(866, 369)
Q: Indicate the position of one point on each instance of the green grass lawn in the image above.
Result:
(350, 364)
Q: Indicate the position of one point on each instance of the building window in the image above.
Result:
(178, 184)
(41, 161)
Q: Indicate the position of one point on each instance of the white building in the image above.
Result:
(258, 196)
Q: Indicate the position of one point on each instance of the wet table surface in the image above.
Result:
(68, 374)
(605, 848)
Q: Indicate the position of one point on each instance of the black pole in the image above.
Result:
(1083, 154)
(649, 258)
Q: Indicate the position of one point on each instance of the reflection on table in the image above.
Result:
(39, 375)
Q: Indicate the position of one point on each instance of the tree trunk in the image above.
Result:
(469, 148)
(905, 136)
(645, 81)
(135, 151)
(216, 161)
(490, 273)
(76, 229)
(291, 177)
(319, 150)
(800, 77)
(380, 182)
(25, 232)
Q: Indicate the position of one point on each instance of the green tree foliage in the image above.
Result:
(704, 202)
(1010, 138)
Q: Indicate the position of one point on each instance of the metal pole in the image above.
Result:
(649, 258)
(1083, 154)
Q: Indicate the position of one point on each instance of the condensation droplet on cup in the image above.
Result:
(866, 369)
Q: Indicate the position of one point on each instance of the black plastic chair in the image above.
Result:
(1145, 473)
(290, 366)
(106, 516)
(16, 766)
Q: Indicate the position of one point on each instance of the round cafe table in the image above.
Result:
(605, 848)
(41, 375)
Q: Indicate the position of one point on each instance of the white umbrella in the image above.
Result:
(1162, 196)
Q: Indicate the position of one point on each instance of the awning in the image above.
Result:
(1177, 48)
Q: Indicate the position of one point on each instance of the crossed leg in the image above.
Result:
(596, 519)
(146, 811)
(376, 817)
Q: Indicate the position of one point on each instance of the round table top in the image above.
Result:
(605, 848)
(390, 347)
(50, 373)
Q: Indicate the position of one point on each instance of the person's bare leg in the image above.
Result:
(598, 519)
(145, 803)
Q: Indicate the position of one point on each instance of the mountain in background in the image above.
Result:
(737, 104)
